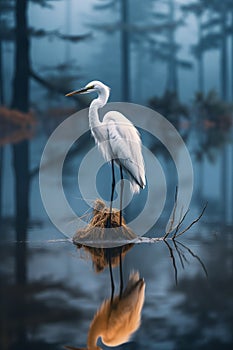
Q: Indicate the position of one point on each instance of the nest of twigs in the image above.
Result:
(96, 232)
(103, 243)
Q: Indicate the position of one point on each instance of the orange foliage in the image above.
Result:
(15, 126)
(208, 124)
(223, 122)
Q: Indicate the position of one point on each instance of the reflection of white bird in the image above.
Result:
(118, 319)
(117, 138)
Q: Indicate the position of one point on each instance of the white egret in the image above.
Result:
(117, 139)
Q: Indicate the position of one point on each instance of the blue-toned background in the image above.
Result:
(173, 56)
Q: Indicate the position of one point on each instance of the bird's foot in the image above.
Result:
(108, 222)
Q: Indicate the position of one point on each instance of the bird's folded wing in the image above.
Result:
(125, 144)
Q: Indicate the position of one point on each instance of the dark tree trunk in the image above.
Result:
(200, 62)
(21, 280)
(172, 82)
(125, 50)
(201, 88)
(224, 94)
(200, 73)
(224, 58)
(1, 180)
(1, 74)
(20, 101)
(1, 147)
(67, 28)
(232, 54)
(2, 103)
(232, 100)
(139, 73)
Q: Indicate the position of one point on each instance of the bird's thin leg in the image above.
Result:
(121, 194)
(109, 223)
(111, 274)
(121, 276)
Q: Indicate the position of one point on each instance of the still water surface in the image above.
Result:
(53, 301)
(50, 292)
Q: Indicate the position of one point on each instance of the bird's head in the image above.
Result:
(94, 85)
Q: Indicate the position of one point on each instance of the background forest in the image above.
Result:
(174, 56)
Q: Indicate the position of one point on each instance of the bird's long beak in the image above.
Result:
(80, 91)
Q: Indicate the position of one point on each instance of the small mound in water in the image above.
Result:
(96, 234)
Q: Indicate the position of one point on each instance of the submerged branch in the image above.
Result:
(195, 256)
(173, 260)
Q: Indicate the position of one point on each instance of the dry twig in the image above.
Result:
(192, 223)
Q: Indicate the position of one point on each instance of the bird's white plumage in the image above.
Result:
(125, 147)
(116, 136)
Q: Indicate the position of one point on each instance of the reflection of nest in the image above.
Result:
(95, 234)
(101, 256)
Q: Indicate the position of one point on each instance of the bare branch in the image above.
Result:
(179, 224)
(173, 217)
(196, 220)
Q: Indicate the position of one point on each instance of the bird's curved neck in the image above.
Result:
(95, 105)
(96, 329)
